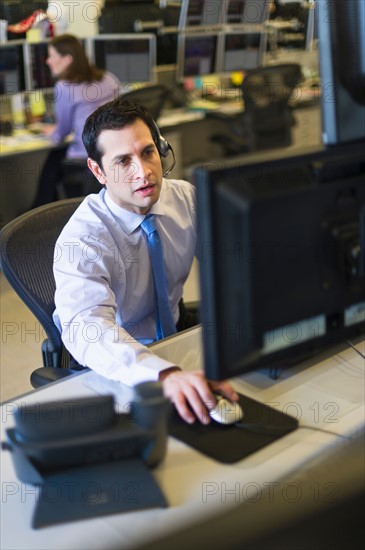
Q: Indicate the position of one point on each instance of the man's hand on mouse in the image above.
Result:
(192, 394)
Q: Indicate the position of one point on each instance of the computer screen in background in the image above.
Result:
(246, 12)
(241, 50)
(131, 57)
(197, 55)
(12, 74)
(167, 48)
(201, 13)
(38, 74)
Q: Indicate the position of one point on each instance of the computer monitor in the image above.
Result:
(12, 75)
(130, 57)
(197, 55)
(282, 256)
(201, 13)
(341, 30)
(247, 12)
(38, 74)
(166, 44)
(241, 50)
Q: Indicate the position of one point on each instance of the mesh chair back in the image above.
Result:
(26, 253)
(152, 98)
(266, 93)
(267, 86)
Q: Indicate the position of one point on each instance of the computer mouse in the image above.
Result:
(225, 411)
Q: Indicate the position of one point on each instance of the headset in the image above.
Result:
(164, 148)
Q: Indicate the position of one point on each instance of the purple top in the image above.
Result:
(74, 103)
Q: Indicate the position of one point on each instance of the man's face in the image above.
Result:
(132, 170)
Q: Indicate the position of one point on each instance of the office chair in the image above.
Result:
(266, 121)
(154, 97)
(77, 179)
(26, 255)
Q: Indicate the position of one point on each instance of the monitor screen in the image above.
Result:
(247, 11)
(197, 55)
(12, 76)
(242, 51)
(130, 57)
(282, 257)
(167, 48)
(201, 13)
(39, 74)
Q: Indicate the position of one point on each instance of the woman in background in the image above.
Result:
(80, 89)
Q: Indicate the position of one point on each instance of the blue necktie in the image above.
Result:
(165, 325)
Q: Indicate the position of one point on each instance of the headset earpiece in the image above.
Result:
(162, 144)
(164, 149)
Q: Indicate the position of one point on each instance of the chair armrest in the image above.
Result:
(45, 375)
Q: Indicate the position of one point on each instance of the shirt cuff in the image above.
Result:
(147, 368)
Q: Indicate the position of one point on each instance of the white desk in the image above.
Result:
(327, 395)
(22, 157)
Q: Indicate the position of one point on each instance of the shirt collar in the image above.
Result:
(129, 221)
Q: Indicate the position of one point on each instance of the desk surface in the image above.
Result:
(25, 141)
(325, 395)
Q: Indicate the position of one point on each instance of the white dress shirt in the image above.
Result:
(104, 286)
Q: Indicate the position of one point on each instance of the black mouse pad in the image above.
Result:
(260, 426)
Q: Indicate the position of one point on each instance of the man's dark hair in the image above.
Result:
(114, 115)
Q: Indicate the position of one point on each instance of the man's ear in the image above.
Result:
(96, 170)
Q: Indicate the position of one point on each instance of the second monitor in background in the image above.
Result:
(12, 74)
(130, 57)
(201, 13)
(216, 13)
(246, 12)
(38, 74)
(202, 54)
(241, 50)
(197, 55)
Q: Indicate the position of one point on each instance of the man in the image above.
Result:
(105, 296)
